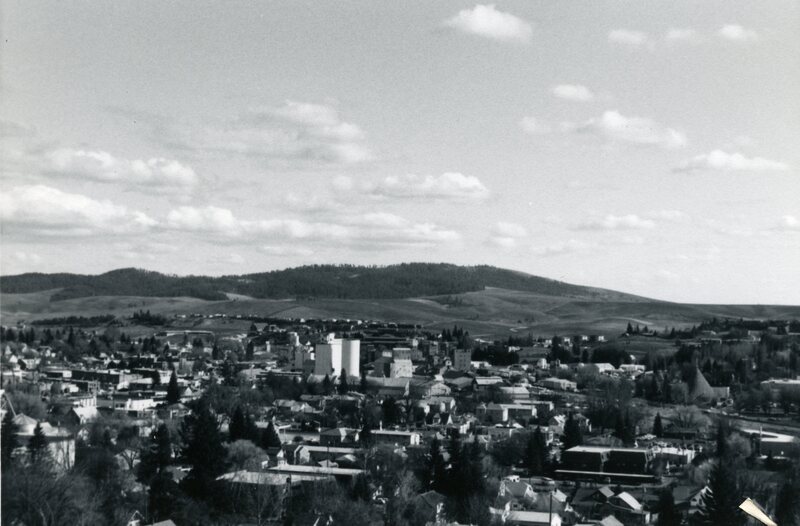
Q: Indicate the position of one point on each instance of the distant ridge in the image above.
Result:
(406, 280)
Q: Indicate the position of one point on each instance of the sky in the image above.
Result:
(646, 147)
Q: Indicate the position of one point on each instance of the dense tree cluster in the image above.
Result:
(322, 281)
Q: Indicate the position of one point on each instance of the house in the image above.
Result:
(426, 388)
(512, 393)
(60, 442)
(429, 506)
(559, 384)
(338, 436)
(389, 436)
(394, 387)
(626, 508)
(518, 493)
(482, 384)
(533, 518)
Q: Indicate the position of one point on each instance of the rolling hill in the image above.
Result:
(406, 280)
(487, 301)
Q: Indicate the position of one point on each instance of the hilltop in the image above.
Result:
(485, 300)
(407, 280)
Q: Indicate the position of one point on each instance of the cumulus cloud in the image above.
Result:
(573, 92)
(447, 186)
(724, 161)
(378, 229)
(615, 222)
(629, 37)
(506, 235)
(635, 130)
(562, 247)
(789, 222)
(44, 210)
(737, 33)
(294, 132)
(486, 21)
(98, 165)
(534, 126)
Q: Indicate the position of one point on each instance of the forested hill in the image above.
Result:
(407, 280)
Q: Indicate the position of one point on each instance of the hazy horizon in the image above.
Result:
(649, 149)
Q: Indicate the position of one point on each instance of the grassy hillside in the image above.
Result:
(406, 280)
(492, 312)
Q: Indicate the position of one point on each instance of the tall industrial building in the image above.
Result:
(337, 354)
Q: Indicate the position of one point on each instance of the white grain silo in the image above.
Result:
(351, 357)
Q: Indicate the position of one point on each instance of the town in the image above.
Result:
(242, 419)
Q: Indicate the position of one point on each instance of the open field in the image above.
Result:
(491, 313)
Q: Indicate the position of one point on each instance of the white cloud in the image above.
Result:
(27, 258)
(635, 130)
(506, 235)
(737, 33)
(564, 247)
(723, 161)
(44, 210)
(447, 186)
(378, 229)
(488, 22)
(629, 37)
(534, 126)
(506, 229)
(101, 166)
(789, 222)
(614, 222)
(295, 132)
(573, 92)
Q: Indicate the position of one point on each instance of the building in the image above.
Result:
(336, 354)
(462, 360)
(401, 438)
(559, 384)
(60, 442)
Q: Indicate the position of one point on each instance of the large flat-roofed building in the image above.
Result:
(633, 461)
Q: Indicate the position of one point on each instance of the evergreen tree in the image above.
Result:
(629, 436)
(270, 438)
(327, 385)
(363, 385)
(249, 351)
(658, 427)
(236, 427)
(720, 503)
(343, 386)
(536, 452)
(37, 445)
(436, 474)
(365, 436)
(8, 437)
(156, 377)
(787, 502)
(173, 391)
(572, 433)
(251, 431)
(156, 454)
(668, 514)
(203, 451)
(722, 438)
